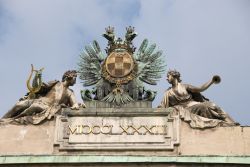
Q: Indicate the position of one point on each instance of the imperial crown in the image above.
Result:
(119, 44)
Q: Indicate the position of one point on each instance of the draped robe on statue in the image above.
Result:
(195, 108)
(49, 101)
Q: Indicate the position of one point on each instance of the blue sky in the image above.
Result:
(199, 38)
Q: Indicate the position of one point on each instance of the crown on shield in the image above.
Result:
(118, 44)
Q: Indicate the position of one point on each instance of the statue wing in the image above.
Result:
(90, 64)
(151, 64)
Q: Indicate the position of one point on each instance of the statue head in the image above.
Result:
(70, 76)
(175, 74)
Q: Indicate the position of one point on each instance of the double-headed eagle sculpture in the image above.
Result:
(118, 75)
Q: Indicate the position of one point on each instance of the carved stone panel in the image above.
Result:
(126, 131)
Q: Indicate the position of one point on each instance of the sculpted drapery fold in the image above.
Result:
(45, 103)
(194, 108)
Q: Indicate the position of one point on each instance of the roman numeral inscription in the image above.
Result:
(120, 130)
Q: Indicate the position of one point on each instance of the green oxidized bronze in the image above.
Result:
(118, 75)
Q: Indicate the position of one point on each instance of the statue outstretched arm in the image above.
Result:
(215, 79)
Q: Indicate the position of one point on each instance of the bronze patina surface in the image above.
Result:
(119, 74)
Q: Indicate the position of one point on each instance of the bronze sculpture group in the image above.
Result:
(118, 78)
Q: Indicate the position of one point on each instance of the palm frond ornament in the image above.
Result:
(117, 76)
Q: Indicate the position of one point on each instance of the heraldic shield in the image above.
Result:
(119, 64)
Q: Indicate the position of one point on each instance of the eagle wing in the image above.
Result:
(151, 64)
(90, 64)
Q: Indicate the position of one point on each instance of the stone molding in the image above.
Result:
(147, 129)
(84, 159)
